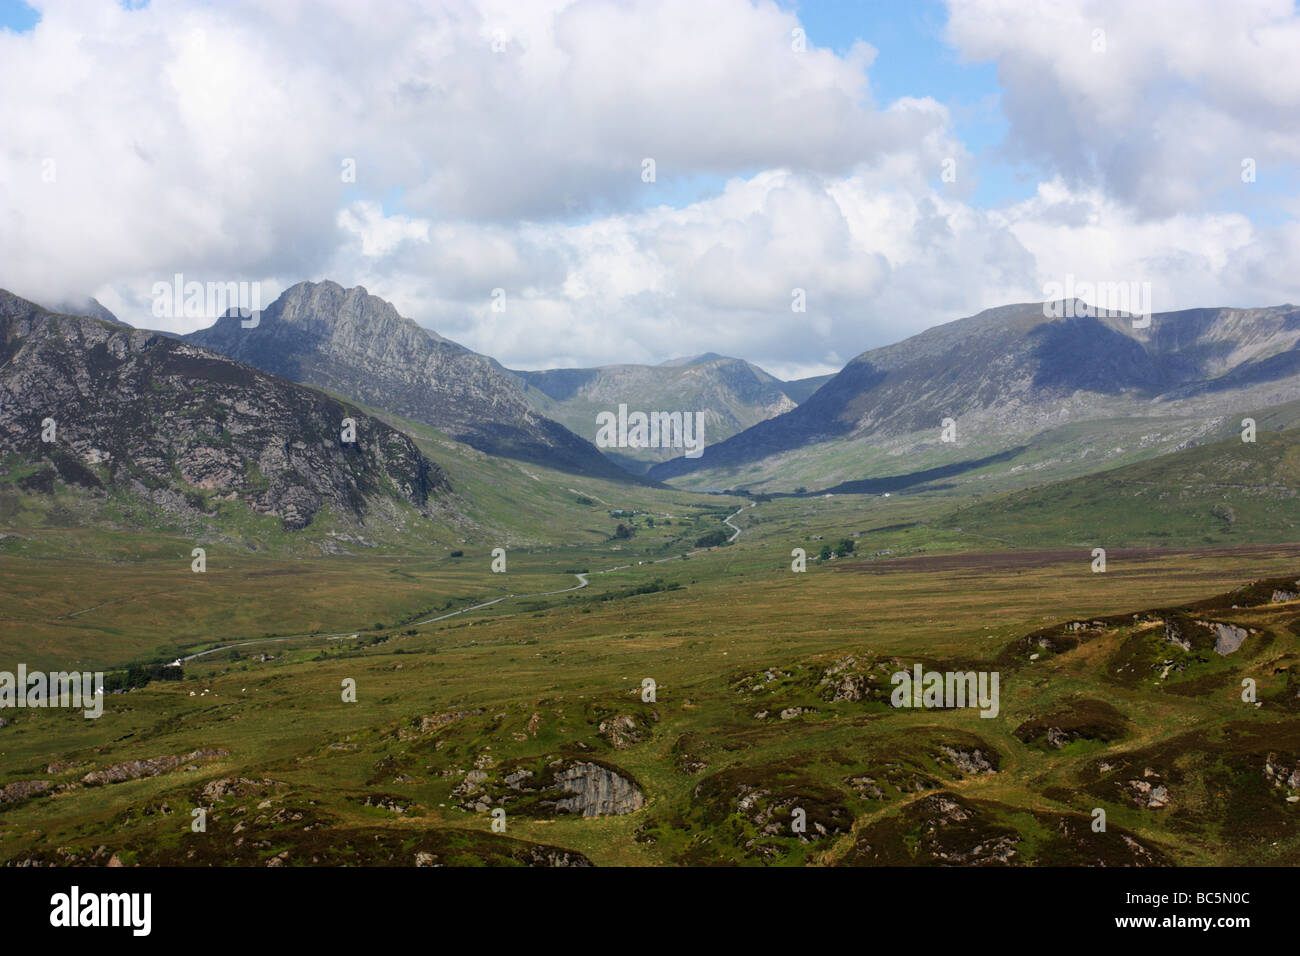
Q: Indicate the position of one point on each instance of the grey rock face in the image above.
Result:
(969, 761)
(184, 428)
(21, 790)
(356, 344)
(1227, 637)
(135, 769)
(597, 791)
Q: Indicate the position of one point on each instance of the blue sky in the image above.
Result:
(16, 15)
(913, 60)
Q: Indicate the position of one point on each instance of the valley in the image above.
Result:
(654, 437)
(771, 693)
(392, 652)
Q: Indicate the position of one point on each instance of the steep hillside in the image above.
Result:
(1226, 492)
(732, 395)
(1004, 376)
(800, 389)
(104, 422)
(357, 344)
(90, 307)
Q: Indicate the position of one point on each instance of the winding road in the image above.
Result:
(582, 583)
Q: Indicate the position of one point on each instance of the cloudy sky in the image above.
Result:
(903, 163)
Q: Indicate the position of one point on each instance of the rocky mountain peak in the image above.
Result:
(359, 345)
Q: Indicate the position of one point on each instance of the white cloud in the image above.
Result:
(210, 140)
(1163, 110)
(877, 261)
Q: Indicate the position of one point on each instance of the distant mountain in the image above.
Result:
(90, 307)
(801, 389)
(138, 418)
(731, 393)
(357, 345)
(692, 360)
(1004, 376)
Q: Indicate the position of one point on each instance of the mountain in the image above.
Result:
(731, 393)
(800, 389)
(139, 421)
(89, 307)
(356, 344)
(1007, 375)
(691, 360)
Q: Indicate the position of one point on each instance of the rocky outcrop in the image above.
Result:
(187, 430)
(437, 721)
(549, 787)
(1284, 774)
(844, 681)
(597, 791)
(1177, 635)
(22, 790)
(1227, 637)
(387, 801)
(773, 809)
(866, 787)
(135, 769)
(940, 829)
(622, 731)
(972, 761)
(1147, 792)
(239, 787)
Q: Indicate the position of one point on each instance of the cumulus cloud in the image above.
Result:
(214, 136)
(876, 262)
(438, 154)
(1158, 102)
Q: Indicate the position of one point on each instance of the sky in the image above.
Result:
(485, 165)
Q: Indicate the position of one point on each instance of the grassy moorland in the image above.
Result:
(772, 694)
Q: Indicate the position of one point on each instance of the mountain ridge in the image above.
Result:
(357, 344)
(731, 393)
(1008, 373)
(191, 433)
